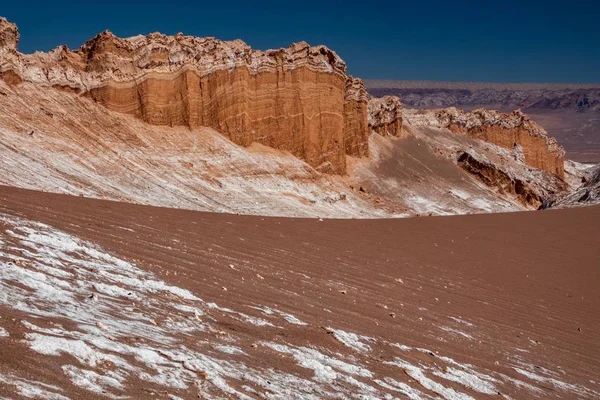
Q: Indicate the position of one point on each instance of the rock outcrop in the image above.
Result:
(9, 36)
(356, 126)
(385, 115)
(587, 194)
(528, 191)
(297, 99)
(9, 40)
(509, 131)
(505, 171)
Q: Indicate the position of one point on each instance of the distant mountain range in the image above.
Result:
(431, 94)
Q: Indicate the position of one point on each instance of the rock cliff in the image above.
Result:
(506, 171)
(385, 115)
(356, 125)
(509, 131)
(297, 99)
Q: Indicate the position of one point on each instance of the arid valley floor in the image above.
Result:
(118, 299)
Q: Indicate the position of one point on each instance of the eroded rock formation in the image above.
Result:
(9, 40)
(508, 131)
(356, 125)
(297, 99)
(528, 193)
(385, 115)
(587, 194)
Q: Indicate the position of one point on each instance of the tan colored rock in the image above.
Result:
(509, 131)
(385, 115)
(297, 99)
(9, 36)
(9, 41)
(356, 126)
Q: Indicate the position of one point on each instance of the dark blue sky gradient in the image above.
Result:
(492, 41)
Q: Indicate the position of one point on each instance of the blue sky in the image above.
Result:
(494, 41)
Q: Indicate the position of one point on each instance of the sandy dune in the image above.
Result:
(104, 299)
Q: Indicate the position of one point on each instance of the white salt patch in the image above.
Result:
(483, 204)
(577, 389)
(401, 347)
(53, 331)
(114, 291)
(4, 332)
(292, 319)
(33, 390)
(429, 384)
(92, 381)
(461, 321)
(324, 367)
(401, 387)
(460, 194)
(520, 384)
(193, 310)
(469, 380)
(351, 340)
(55, 346)
(230, 349)
(457, 332)
(521, 350)
(247, 318)
(255, 321)
(288, 317)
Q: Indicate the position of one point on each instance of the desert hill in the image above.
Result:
(203, 124)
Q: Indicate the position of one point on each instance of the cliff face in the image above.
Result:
(9, 40)
(356, 125)
(509, 131)
(297, 99)
(385, 115)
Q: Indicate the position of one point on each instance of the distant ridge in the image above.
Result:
(406, 84)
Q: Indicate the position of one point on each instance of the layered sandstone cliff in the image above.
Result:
(356, 124)
(297, 99)
(385, 115)
(509, 131)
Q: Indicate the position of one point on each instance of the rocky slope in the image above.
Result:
(61, 142)
(504, 171)
(586, 194)
(510, 131)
